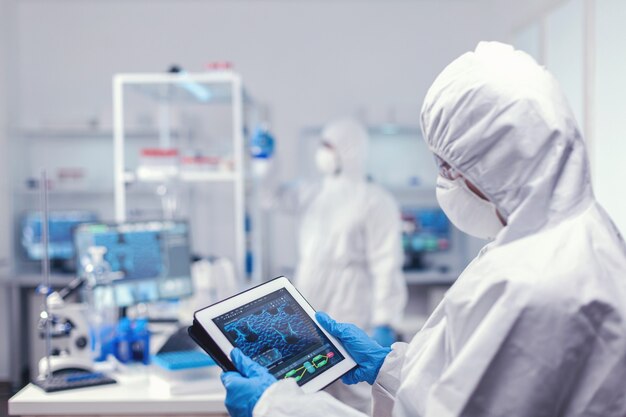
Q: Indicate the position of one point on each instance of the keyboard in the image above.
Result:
(66, 380)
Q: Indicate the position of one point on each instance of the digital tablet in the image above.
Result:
(275, 326)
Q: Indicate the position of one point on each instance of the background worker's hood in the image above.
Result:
(503, 122)
(350, 140)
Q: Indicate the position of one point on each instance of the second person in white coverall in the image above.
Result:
(536, 324)
(349, 252)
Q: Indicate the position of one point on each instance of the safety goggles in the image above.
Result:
(445, 170)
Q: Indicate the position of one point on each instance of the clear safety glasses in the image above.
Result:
(445, 170)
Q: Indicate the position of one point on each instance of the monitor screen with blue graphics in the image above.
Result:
(150, 260)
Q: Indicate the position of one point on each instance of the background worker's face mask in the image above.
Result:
(327, 161)
(468, 212)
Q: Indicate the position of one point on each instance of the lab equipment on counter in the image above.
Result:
(132, 341)
(65, 380)
(181, 367)
(60, 243)
(123, 340)
(152, 259)
(68, 362)
(68, 328)
(140, 341)
(424, 230)
(275, 326)
(214, 279)
(99, 295)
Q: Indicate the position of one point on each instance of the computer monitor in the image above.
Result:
(60, 227)
(151, 259)
(424, 230)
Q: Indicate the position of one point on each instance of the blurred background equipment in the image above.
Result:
(60, 226)
(67, 363)
(152, 259)
(424, 231)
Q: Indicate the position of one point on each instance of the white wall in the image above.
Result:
(583, 43)
(311, 61)
(5, 218)
(610, 108)
(564, 50)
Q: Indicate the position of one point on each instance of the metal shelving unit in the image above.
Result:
(168, 89)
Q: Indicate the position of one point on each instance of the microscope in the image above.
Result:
(64, 327)
(70, 347)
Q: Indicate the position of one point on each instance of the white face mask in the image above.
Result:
(468, 212)
(327, 161)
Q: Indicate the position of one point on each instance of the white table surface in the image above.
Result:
(132, 395)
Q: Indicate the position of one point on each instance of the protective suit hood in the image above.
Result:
(350, 139)
(501, 120)
(536, 325)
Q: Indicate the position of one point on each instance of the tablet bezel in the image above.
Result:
(206, 315)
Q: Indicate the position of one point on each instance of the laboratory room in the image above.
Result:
(312, 208)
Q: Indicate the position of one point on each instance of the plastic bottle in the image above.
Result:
(261, 150)
(262, 143)
(123, 340)
(99, 294)
(140, 346)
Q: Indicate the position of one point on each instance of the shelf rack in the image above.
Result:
(226, 88)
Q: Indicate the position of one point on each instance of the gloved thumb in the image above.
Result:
(246, 366)
(229, 377)
(327, 323)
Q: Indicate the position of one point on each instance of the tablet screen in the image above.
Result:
(277, 333)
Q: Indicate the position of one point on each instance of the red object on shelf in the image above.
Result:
(71, 173)
(219, 65)
(159, 152)
(199, 160)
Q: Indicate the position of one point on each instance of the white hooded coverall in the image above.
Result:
(536, 324)
(350, 245)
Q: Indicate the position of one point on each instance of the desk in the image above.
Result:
(131, 396)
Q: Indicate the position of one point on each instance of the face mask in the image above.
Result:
(327, 161)
(468, 212)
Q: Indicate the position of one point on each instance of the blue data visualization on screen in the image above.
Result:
(61, 225)
(277, 333)
(151, 259)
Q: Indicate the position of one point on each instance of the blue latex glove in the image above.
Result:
(367, 353)
(244, 388)
(384, 335)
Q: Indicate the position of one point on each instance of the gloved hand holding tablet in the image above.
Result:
(273, 325)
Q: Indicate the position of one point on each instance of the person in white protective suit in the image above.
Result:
(536, 324)
(350, 247)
